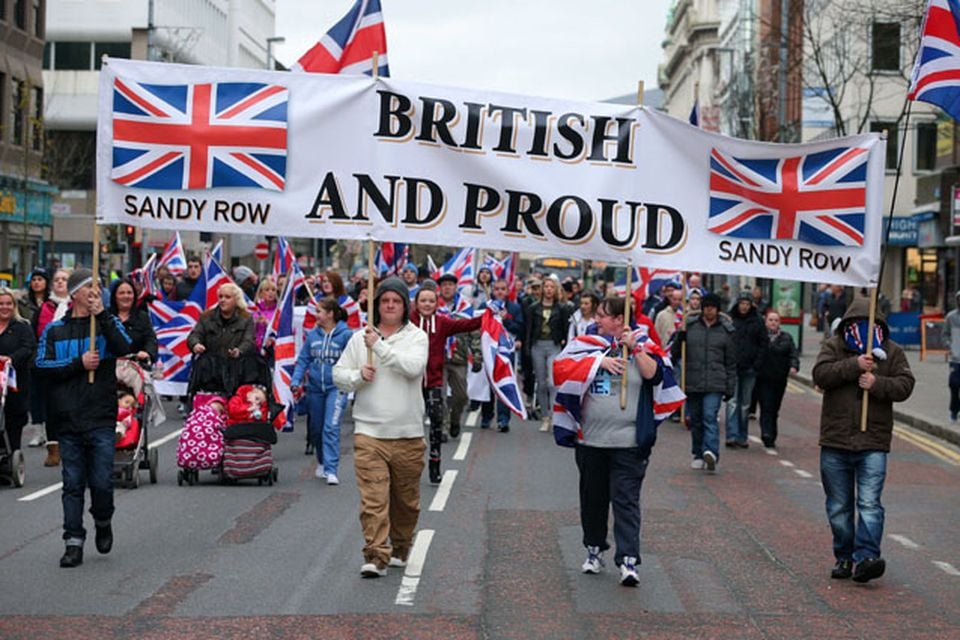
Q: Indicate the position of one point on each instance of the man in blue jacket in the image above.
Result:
(85, 411)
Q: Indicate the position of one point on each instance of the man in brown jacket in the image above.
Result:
(853, 463)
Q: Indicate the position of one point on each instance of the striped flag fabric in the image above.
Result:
(213, 278)
(173, 257)
(145, 278)
(936, 73)
(283, 258)
(354, 315)
(461, 265)
(391, 258)
(284, 352)
(349, 45)
(217, 252)
(497, 347)
(432, 268)
(173, 322)
(8, 378)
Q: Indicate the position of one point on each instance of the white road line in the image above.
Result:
(755, 439)
(472, 419)
(41, 492)
(946, 567)
(411, 577)
(443, 492)
(461, 452)
(793, 387)
(802, 473)
(770, 451)
(165, 439)
(786, 463)
(56, 487)
(904, 540)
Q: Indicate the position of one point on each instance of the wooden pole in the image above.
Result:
(683, 351)
(96, 287)
(871, 322)
(640, 93)
(626, 325)
(376, 65)
(370, 290)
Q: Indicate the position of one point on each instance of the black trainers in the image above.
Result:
(842, 570)
(869, 569)
(72, 557)
(503, 428)
(104, 538)
(435, 475)
(454, 430)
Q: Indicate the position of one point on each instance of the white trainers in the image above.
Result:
(332, 479)
(594, 562)
(397, 562)
(710, 460)
(320, 473)
(628, 572)
(545, 424)
(373, 570)
(38, 440)
(697, 463)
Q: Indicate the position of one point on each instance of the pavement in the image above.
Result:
(925, 410)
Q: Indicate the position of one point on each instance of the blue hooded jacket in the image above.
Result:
(320, 351)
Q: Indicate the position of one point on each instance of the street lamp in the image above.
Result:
(270, 42)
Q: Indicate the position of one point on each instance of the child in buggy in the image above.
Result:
(251, 430)
(138, 410)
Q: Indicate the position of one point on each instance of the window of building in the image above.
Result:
(20, 14)
(37, 19)
(886, 46)
(112, 49)
(3, 10)
(72, 56)
(47, 55)
(18, 90)
(36, 122)
(893, 141)
(926, 146)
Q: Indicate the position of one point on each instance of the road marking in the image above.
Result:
(946, 567)
(443, 492)
(165, 439)
(930, 446)
(41, 492)
(461, 452)
(472, 418)
(904, 540)
(770, 451)
(411, 577)
(802, 473)
(786, 463)
(56, 487)
(793, 387)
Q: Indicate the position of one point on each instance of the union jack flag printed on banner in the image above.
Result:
(575, 369)
(497, 347)
(348, 47)
(199, 136)
(461, 265)
(819, 198)
(936, 74)
(173, 257)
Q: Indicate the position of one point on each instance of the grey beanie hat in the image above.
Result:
(397, 286)
(78, 279)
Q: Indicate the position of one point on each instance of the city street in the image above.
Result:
(744, 553)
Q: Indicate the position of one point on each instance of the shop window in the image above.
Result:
(112, 49)
(18, 91)
(893, 141)
(926, 146)
(885, 41)
(72, 56)
(36, 123)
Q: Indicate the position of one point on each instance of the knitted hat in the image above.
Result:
(447, 277)
(397, 286)
(710, 300)
(78, 279)
(39, 271)
(410, 267)
(241, 274)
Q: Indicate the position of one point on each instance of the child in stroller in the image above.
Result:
(127, 423)
(251, 430)
(138, 409)
(201, 441)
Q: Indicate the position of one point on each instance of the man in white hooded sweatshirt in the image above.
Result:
(388, 426)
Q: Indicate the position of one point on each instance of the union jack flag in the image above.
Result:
(217, 252)
(283, 258)
(173, 322)
(432, 268)
(853, 336)
(645, 283)
(355, 318)
(575, 369)
(497, 268)
(145, 278)
(284, 352)
(461, 264)
(199, 136)
(214, 278)
(391, 258)
(936, 73)
(459, 307)
(348, 47)
(173, 257)
(497, 347)
(819, 198)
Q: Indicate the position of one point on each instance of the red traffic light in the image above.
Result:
(131, 230)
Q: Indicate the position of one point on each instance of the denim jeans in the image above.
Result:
(611, 477)
(703, 409)
(738, 407)
(543, 353)
(323, 426)
(854, 477)
(770, 395)
(87, 461)
(503, 411)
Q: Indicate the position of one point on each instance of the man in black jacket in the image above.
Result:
(190, 278)
(750, 337)
(85, 411)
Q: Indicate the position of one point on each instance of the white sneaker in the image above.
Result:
(372, 570)
(697, 463)
(594, 562)
(545, 424)
(710, 460)
(332, 479)
(397, 562)
(628, 572)
(320, 473)
(38, 440)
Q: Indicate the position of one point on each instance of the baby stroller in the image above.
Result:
(132, 451)
(247, 452)
(12, 466)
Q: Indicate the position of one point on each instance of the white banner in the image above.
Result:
(313, 155)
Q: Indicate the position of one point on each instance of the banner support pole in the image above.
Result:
(376, 65)
(871, 322)
(626, 326)
(683, 350)
(96, 287)
(370, 290)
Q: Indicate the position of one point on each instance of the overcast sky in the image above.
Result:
(571, 49)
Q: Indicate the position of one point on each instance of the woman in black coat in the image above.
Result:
(779, 361)
(17, 345)
(136, 321)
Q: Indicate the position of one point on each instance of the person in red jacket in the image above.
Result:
(438, 328)
(248, 404)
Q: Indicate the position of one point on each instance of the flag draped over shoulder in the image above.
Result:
(575, 369)
(349, 45)
(497, 346)
(936, 74)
